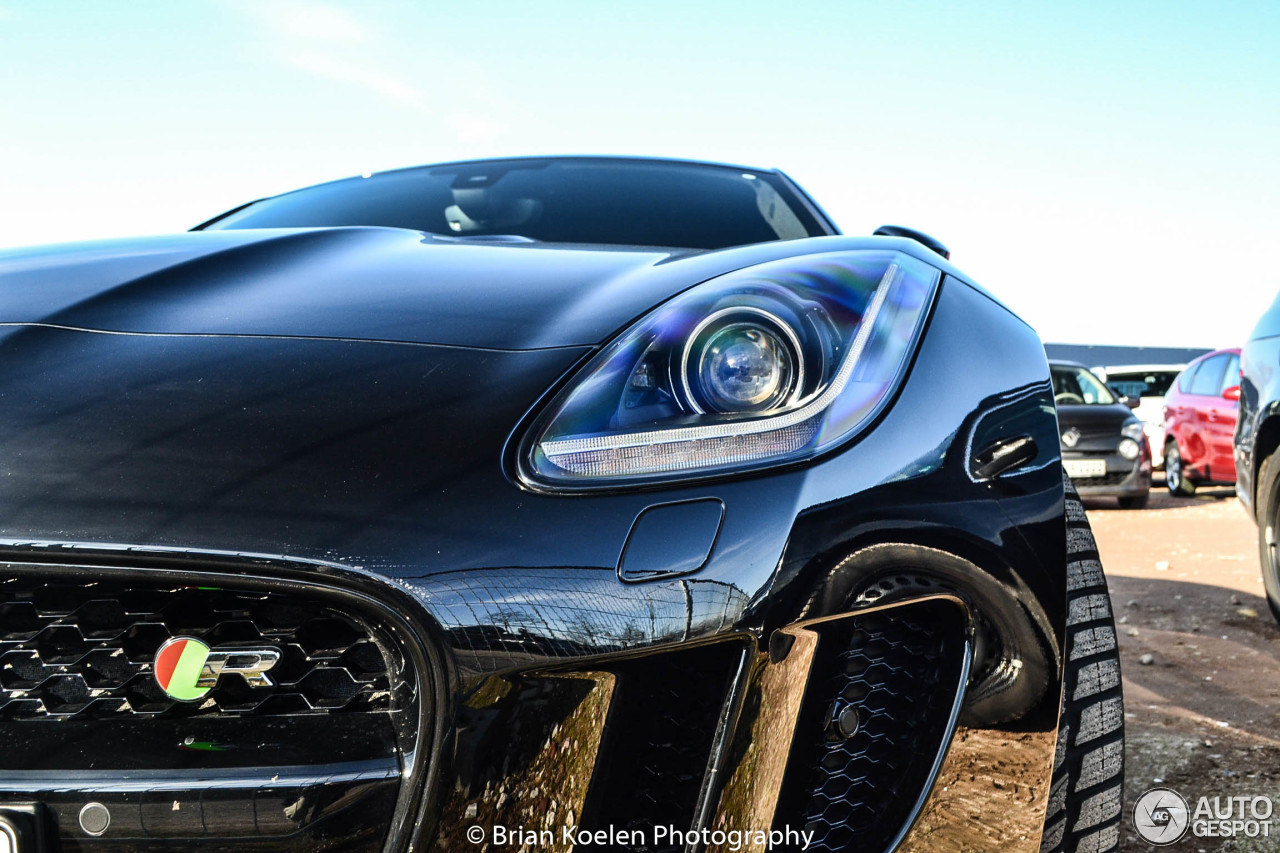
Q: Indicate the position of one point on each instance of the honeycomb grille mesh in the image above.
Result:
(662, 727)
(900, 674)
(71, 651)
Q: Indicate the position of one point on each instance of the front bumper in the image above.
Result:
(1124, 477)
(830, 728)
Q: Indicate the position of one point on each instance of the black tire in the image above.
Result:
(1180, 486)
(1084, 812)
(1135, 501)
(1267, 505)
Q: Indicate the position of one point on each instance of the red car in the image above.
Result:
(1200, 423)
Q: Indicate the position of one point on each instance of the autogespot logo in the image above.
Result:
(1161, 816)
(187, 669)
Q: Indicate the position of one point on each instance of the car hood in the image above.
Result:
(383, 284)
(1094, 420)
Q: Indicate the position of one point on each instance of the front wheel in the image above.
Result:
(1174, 477)
(1268, 508)
(1084, 810)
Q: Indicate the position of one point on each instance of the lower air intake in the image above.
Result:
(876, 715)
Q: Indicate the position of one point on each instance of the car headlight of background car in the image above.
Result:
(1131, 443)
(768, 364)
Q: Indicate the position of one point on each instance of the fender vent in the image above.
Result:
(859, 786)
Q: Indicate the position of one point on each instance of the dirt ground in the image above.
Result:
(1200, 655)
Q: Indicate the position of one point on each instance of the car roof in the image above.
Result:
(580, 158)
(1196, 361)
(1140, 368)
(1062, 362)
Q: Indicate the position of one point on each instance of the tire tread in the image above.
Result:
(1085, 797)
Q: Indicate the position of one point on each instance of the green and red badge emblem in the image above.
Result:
(187, 669)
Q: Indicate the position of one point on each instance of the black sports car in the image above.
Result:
(569, 503)
(1104, 448)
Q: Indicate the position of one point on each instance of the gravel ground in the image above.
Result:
(1200, 654)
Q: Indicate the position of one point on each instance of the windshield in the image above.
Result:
(1077, 386)
(641, 203)
(1150, 383)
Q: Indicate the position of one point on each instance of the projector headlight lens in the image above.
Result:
(765, 365)
(742, 360)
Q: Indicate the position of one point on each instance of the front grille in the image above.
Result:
(85, 651)
(899, 670)
(1113, 478)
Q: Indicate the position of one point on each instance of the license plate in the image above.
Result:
(1078, 468)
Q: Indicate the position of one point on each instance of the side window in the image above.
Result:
(1232, 376)
(1209, 377)
(1186, 378)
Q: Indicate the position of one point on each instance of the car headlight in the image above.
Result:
(1131, 444)
(769, 364)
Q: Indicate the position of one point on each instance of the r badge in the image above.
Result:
(187, 669)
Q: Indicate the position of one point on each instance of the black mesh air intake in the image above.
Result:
(81, 651)
(658, 740)
(876, 713)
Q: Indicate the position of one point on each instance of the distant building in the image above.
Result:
(1100, 355)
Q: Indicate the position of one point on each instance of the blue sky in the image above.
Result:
(1110, 170)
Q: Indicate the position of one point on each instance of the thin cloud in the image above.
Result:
(335, 68)
(332, 43)
(328, 42)
(306, 21)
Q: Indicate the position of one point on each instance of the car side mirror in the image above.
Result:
(1232, 393)
(1131, 402)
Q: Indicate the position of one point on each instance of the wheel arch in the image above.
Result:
(1267, 442)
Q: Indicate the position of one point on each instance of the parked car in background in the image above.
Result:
(1200, 423)
(1257, 444)
(1146, 383)
(1104, 448)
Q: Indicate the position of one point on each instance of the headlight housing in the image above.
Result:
(766, 365)
(1134, 433)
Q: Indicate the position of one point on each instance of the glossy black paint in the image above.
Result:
(350, 397)
(668, 540)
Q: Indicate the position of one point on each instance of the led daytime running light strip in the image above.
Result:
(662, 440)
